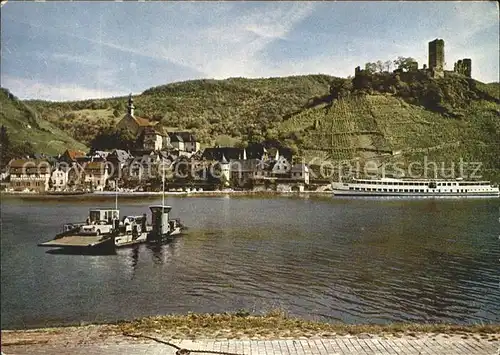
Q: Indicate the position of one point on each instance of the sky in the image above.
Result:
(85, 50)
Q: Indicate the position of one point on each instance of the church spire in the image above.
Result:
(131, 106)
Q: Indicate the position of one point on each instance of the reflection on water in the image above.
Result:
(349, 260)
(135, 256)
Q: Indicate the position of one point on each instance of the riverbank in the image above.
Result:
(273, 325)
(132, 195)
(242, 330)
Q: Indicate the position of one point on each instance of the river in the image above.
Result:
(353, 260)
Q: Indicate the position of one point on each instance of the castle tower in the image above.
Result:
(130, 106)
(436, 57)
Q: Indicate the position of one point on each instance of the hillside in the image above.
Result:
(24, 125)
(385, 117)
(239, 108)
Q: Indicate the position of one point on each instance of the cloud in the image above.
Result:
(66, 57)
(232, 48)
(31, 89)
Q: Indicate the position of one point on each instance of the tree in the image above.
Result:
(51, 183)
(404, 63)
(371, 67)
(24, 150)
(378, 66)
(388, 65)
(112, 138)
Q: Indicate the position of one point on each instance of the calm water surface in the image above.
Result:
(349, 260)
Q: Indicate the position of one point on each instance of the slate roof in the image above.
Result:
(216, 154)
(120, 154)
(30, 164)
(182, 137)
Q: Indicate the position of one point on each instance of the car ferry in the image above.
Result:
(415, 187)
(103, 229)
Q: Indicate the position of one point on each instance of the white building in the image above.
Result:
(225, 177)
(29, 174)
(59, 177)
(300, 172)
(184, 141)
(95, 175)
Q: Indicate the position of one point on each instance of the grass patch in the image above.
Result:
(277, 324)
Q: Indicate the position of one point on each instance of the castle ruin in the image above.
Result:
(436, 64)
(463, 67)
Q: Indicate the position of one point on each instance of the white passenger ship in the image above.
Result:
(414, 187)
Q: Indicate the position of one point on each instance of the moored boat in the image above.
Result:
(104, 229)
(163, 228)
(415, 187)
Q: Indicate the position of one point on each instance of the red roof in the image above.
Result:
(73, 154)
(143, 122)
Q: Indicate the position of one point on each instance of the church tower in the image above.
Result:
(130, 107)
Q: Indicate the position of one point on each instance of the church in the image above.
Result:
(133, 123)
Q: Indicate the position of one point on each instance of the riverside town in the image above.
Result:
(157, 155)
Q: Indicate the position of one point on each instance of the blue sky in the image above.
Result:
(81, 50)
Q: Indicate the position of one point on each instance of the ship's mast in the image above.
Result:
(163, 186)
(116, 194)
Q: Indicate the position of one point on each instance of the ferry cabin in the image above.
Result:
(101, 214)
(416, 187)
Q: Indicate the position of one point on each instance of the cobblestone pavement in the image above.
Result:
(422, 344)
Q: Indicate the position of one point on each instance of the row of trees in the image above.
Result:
(403, 63)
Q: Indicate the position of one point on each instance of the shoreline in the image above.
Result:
(243, 325)
(111, 194)
(241, 333)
